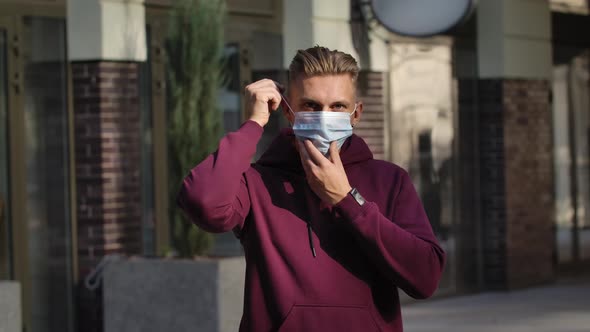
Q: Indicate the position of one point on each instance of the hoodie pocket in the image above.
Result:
(326, 318)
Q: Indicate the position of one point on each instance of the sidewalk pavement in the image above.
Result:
(561, 307)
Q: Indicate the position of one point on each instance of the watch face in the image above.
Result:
(420, 18)
(357, 197)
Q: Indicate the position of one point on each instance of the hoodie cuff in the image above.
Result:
(349, 208)
(252, 128)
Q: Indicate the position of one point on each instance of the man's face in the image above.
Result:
(333, 93)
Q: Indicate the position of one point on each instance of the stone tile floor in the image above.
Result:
(560, 307)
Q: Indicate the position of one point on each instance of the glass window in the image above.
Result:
(229, 95)
(264, 65)
(147, 153)
(4, 216)
(468, 226)
(423, 132)
(227, 244)
(47, 174)
(571, 118)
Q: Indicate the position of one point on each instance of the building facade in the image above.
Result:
(491, 119)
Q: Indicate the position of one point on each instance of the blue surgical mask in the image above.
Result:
(322, 128)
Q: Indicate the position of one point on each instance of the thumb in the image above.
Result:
(334, 153)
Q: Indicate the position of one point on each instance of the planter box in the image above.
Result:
(10, 307)
(173, 295)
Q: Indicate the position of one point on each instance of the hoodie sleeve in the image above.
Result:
(214, 195)
(404, 249)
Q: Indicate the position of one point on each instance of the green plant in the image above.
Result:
(194, 52)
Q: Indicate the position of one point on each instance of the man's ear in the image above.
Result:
(356, 117)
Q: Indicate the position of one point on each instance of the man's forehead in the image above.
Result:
(334, 86)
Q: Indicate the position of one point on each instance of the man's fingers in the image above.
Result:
(268, 95)
(334, 153)
(275, 99)
(306, 162)
(265, 82)
(302, 151)
(262, 98)
(314, 154)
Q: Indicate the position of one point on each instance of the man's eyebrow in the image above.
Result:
(311, 100)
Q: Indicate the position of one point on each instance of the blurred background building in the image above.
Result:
(491, 119)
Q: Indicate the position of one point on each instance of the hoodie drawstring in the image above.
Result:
(309, 235)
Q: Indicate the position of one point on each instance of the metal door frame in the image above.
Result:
(17, 160)
(11, 22)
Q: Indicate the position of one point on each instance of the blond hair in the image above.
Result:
(319, 61)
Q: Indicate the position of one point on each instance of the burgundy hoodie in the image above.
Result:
(363, 253)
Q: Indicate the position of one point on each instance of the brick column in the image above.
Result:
(371, 91)
(516, 181)
(515, 142)
(107, 136)
(492, 184)
(528, 153)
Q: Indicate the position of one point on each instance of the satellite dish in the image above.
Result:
(421, 18)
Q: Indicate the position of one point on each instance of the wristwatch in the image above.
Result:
(357, 196)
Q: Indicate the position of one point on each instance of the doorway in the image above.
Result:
(571, 133)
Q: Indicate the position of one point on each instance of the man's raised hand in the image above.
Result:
(262, 97)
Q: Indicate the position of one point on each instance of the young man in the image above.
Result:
(329, 233)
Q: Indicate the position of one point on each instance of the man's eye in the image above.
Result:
(309, 106)
(339, 107)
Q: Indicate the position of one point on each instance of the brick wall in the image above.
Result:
(467, 227)
(530, 241)
(492, 182)
(371, 91)
(516, 182)
(107, 138)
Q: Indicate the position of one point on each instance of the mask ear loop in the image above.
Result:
(289, 107)
(351, 114)
(355, 105)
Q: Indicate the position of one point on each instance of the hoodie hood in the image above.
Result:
(282, 152)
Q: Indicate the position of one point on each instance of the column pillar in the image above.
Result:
(515, 142)
(106, 43)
